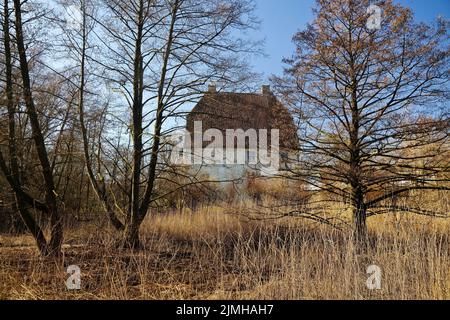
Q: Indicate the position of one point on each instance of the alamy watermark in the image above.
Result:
(74, 280)
(374, 281)
(375, 17)
(227, 147)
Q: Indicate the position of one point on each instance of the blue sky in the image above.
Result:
(280, 19)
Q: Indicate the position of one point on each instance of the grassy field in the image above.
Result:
(210, 254)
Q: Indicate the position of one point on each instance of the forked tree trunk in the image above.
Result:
(13, 173)
(99, 190)
(139, 209)
(56, 223)
(28, 219)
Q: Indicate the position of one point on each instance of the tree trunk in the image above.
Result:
(56, 222)
(100, 191)
(360, 217)
(159, 118)
(131, 236)
(139, 211)
(25, 214)
(357, 195)
(33, 227)
(14, 173)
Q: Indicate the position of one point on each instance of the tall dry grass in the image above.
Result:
(211, 254)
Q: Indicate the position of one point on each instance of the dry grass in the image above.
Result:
(211, 255)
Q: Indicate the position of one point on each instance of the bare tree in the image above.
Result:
(158, 55)
(372, 107)
(77, 26)
(25, 201)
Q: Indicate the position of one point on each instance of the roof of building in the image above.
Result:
(229, 110)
